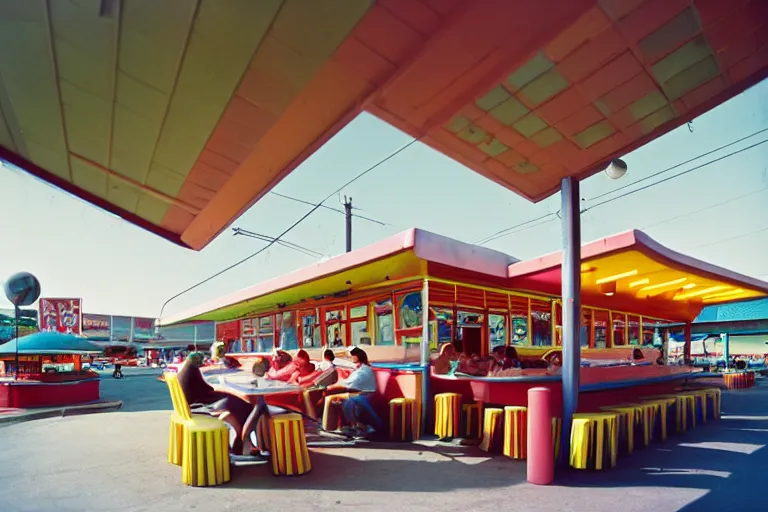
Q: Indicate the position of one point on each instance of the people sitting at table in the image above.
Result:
(447, 362)
(473, 365)
(305, 372)
(509, 359)
(357, 409)
(282, 367)
(198, 391)
(260, 367)
(505, 362)
(327, 362)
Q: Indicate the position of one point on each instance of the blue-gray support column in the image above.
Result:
(726, 349)
(571, 295)
(424, 356)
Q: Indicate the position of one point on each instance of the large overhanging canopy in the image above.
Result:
(177, 115)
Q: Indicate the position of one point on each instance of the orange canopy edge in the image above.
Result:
(178, 116)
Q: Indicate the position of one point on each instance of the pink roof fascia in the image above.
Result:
(638, 240)
(447, 251)
(425, 245)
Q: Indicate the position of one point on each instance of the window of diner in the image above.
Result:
(557, 331)
(409, 310)
(443, 318)
(358, 318)
(310, 329)
(265, 340)
(248, 331)
(336, 327)
(518, 313)
(619, 328)
(384, 323)
(652, 331)
(497, 329)
(648, 331)
(541, 323)
(586, 327)
(469, 331)
(633, 329)
(602, 320)
(289, 334)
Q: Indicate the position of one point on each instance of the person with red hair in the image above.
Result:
(283, 367)
(305, 370)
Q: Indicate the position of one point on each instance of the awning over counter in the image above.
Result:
(632, 272)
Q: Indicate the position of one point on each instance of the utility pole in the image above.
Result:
(348, 215)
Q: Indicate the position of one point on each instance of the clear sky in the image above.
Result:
(716, 213)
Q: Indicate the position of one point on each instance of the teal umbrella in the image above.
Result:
(50, 343)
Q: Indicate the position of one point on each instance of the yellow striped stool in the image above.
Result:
(404, 419)
(447, 415)
(738, 380)
(515, 431)
(685, 411)
(472, 420)
(205, 460)
(333, 419)
(557, 428)
(701, 405)
(626, 420)
(199, 443)
(713, 397)
(594, 441)
(664, 416)
(493, 430)
(176, 440)
(684, 407)
(288, 445)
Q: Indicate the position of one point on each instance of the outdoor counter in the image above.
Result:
(599, 385)
(26, 394)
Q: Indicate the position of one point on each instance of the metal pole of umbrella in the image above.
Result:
(16, 359)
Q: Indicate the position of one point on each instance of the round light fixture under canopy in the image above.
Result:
(616, 169)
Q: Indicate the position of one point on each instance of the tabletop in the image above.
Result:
(248, 387)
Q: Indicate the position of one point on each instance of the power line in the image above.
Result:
(675, 176)
(678, 165)
(284, 243)
(513, 229)
(285, 232)
(727, 239)
(302, 201)
(708, 207)
(509, 230)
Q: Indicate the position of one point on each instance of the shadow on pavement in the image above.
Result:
(391, 468)
(727, 458)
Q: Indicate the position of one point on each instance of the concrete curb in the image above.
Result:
(61, 412)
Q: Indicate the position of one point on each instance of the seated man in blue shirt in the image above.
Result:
(362, 381)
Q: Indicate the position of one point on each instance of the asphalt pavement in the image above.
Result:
(116, 461)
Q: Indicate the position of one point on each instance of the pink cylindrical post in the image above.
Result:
(541, 455)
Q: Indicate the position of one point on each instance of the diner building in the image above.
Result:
(418, 285)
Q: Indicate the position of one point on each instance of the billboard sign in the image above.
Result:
(61, 315)
(97, 327)
(143, 329)
(121, 329)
